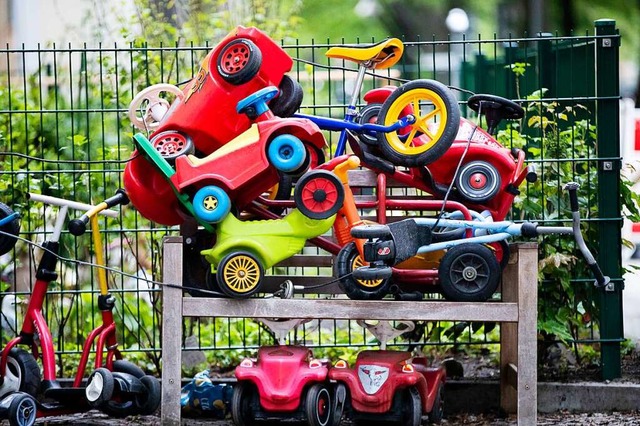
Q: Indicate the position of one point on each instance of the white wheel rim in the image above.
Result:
(11, 380)
(94, 389)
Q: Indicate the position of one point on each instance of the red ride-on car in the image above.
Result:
(285, 382)
(233, 175)
(390, 386)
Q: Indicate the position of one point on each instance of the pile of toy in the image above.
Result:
(225, 157)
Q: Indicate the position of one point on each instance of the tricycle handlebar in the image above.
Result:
(78, 226)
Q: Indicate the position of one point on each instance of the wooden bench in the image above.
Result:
(517, 313)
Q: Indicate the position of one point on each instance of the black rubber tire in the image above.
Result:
(437, 411)
(241, 410)
(251, 61)
(478, 169)
(107, 390)
(412, 407)
(23, 365)
(441, 145)
(283, 192)
(7, 242)
(314, 189)
(339, 402)
(510, 110)
(469, 272)
(149, 402)
(22, 410)
(371, 231)
(123, 366)
(256, 272)
(373, 273)
(172, 144)
(346, 261)
(318, 405)
(289, 99)
(369, 115)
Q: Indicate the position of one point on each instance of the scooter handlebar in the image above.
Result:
(79, 226)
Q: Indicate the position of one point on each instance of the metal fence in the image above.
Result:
(64, 132)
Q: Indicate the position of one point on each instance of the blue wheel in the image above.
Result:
(211, 204)
(286, 153)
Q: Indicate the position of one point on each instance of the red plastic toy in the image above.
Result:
(285, 382)
(391, 386)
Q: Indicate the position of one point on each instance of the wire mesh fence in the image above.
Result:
(65, 132)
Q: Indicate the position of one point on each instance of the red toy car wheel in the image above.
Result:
(478, 182)
(172, 145)
(319, 194)
(239, 61)
(318, 405)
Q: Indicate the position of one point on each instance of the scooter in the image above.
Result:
(117, 387)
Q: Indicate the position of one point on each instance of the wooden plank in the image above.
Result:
(172, 331)
(511, 374)
(509, 335)
(351, 309)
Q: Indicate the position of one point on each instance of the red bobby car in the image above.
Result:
(391, 386)
(285, 382)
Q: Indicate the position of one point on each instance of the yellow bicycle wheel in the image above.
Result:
(436, 121)
(239, 274)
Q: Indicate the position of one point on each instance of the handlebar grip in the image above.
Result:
(572, 187)
(601, 279)
(120, 198)
(79, 226)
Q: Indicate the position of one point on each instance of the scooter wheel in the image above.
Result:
(22, 410)
(318, 405)
(148, 402)
(239, 61)
(319, 194)
(241, 406)
(211, 204)
(239, 274)
(370, 231)
(99, 388)
(22, 373)
(469, 272)
(478, 182)
(287, 153)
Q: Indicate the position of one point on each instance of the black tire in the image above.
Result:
(469, 273)
(241, 406)
(510, 110)
(319, 194)
(339, 401)
(411, 408)
(437, 411)
(123, 366)
(149, 402)
(9, 230)
(282, 192)
(289, 99)
(349, 259)
(100, 387)
(22, 410)
(239, 61)
(318, 405)
(393, 146)
(372, 273)
(23, 368)
(478, 182)
(370, 231)
(172, 144)
(369, 115)
(240, 274)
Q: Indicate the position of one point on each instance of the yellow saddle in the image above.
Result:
(377, 56)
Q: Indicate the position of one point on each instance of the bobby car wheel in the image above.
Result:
(100, 386)
(318, 405)
(289, 99)
(239, 274)
(287, 153)
(239, 61)
(211, 204)
(411, 407)
(437, 411)
(22, 410)
(10, 230)
(469, 273)
(347, 261)
(172, 144)
(437, 118)
(319, 194)
(478, 182)
(22, 373)
(148, 402)
(241, 410)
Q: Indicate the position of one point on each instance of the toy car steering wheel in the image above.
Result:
(155, 108)
(495, 108)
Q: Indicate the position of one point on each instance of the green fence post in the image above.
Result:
(608, 134)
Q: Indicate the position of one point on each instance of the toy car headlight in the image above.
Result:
(342, 364)
(408, 368)
(247, 362)
(315, 363)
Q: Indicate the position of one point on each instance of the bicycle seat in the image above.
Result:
(377, 56)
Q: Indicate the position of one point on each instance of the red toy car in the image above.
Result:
(285, 382)
(391, 386)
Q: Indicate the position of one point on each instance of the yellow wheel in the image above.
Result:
(239, 274)
(433, 130)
